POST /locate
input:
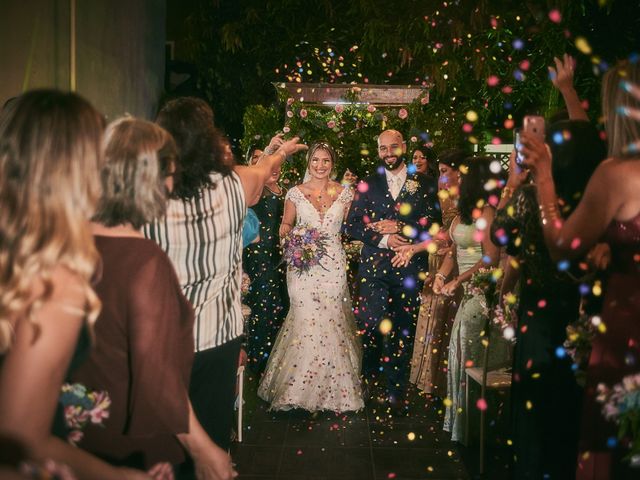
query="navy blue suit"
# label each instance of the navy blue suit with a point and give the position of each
(387, 292)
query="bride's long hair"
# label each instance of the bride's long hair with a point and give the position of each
(50, 159)
(311, 152)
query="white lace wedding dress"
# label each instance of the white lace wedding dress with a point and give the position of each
(315, 362)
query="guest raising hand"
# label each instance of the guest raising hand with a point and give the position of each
(609, 209)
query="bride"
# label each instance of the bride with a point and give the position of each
(315, 362)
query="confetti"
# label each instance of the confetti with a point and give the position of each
(555, 16)
(583, 45)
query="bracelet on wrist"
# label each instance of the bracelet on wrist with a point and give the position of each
(507, 192)
(441, 275)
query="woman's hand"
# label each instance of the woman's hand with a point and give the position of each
(450, 288)
(275, 143)
(214, 464)
(285, 228)
(562, 75)
(517, 174)
(438, 283)
(599, 257)
(537, 156)
(385, 227)
(161, 471)
(403, 255)
(291, 146)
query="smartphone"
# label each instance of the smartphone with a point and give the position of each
(518, 145)
(533, 125)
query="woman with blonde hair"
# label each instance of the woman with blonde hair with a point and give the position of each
(49, 184)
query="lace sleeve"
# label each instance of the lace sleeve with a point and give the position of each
(294, 196)
(346, 196)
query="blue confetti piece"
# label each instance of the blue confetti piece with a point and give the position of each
(612, 442)
(411, 169)
(563, 265)
(561, 352)
(409, 283)
(584, 289)
(518, 44)
(558, 138)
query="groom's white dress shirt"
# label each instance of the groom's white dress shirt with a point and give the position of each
(395, 181)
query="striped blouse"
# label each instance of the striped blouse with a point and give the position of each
(203, 238)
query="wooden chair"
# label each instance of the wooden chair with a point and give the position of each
(495, 379)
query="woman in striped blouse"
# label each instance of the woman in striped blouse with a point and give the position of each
(202, 234)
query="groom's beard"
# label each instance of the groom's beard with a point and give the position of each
(392, 165)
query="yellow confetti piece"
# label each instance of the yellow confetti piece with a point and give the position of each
(430, 468)
(602, 328)
(464, 169)
(472, 116)
(535, 375)
(432, 247)
(447, 402)
(411, 436)
(510, 298)
(409, 231)
(405, 209)
(434, 229)
(449, 453)
(529, 405)
(583, 45)
(443, 194)
(597, 289)
(497, 274)
(385, 326)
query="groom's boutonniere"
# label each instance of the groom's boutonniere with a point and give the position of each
(411, 186)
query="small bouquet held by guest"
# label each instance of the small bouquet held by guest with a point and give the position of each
(304, 247)
(504, 318)
(483, 284)
(580, 335)
(81, 407)
(622, 405)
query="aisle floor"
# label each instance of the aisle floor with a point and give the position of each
(299, 445)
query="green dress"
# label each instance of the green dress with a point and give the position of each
(466, 341)
(267, 296)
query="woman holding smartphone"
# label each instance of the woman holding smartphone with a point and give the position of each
(612, 214)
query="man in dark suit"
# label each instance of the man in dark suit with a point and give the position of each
(391, 208)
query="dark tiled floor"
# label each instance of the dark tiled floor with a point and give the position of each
(363, 445)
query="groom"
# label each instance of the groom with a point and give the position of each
(391, 208)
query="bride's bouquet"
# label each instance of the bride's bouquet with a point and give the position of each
(304, 247)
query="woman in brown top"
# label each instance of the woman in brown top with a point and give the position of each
(144, 335)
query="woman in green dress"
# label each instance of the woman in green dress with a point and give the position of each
(267, 296)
